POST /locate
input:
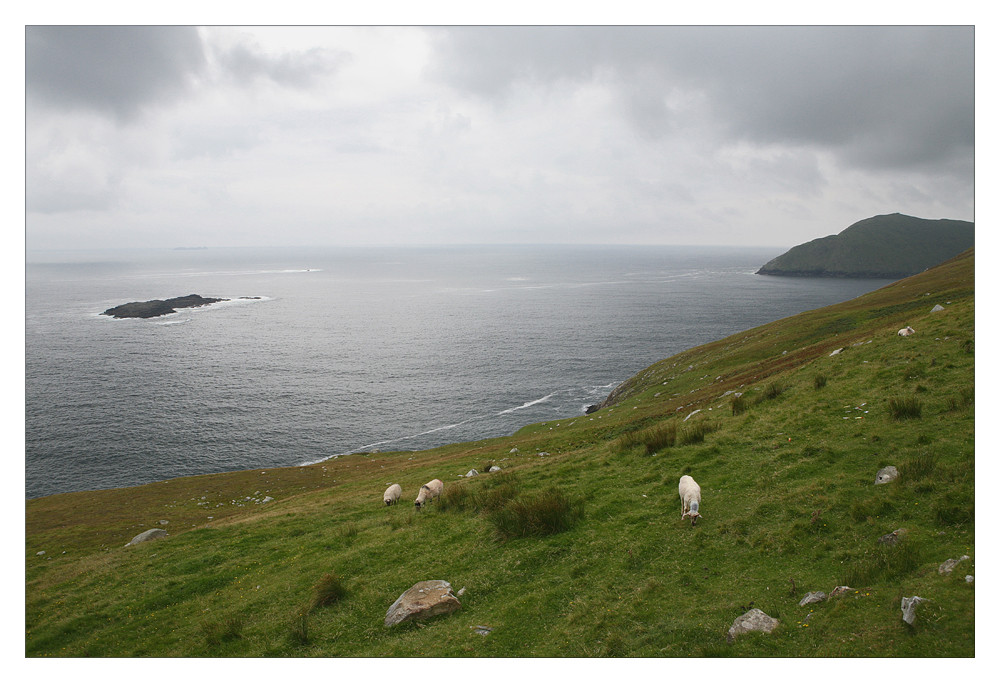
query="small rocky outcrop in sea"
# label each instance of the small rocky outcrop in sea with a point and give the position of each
(158, 307)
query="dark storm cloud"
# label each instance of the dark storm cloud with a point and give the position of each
(122, 70)
(875, 96)
(116, 70)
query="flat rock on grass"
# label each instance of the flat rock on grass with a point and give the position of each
(423, 600)
(147, 536)
(754, 620)
(810, 598)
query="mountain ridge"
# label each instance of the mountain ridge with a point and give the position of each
(885, 246)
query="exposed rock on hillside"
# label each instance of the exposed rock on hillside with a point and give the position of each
(147, 536)
(422, 601)
(754, 620)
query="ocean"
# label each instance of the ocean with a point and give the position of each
(356, 349)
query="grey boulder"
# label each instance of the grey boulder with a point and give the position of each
(423, 600)
(816, 596)
(886, 474)
(909, 608)
(754, 620)
(147, 536)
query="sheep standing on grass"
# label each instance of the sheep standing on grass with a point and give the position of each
(429, 492)
(690, 494)
(392, 494)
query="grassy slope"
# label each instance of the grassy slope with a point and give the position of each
(892, 245)
(788, 496)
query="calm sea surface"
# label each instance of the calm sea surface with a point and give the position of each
(356, 349)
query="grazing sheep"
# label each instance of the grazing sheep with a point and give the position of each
(690, 494)
(906, 331)
(429, 492)
(392, 494)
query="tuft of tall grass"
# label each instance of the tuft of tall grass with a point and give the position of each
(966, 397)
(695, 433)
(738, 404)
(917, 467)
(487, 494)
(773, 390)
(956, 509)
(548, 512)
(328, 590)
(456, 497)
(905, 408)
(819, 381)
(298, 631)
(651, 439)
(217, 632)
(883, 563)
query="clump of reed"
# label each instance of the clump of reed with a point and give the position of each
(548, 512)
(328, 590)
(905, 408)
(651, 439)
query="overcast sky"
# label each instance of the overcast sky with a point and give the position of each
(183, 136)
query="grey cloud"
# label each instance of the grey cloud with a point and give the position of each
(117, 70)
(245, 63)
(878, 97)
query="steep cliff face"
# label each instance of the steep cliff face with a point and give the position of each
(890, 246)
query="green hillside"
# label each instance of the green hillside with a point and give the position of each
(576, 547)
(890, 246)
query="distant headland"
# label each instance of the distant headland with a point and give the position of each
(890, 246)
(158, 307)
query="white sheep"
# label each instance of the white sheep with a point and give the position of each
(906, 331)
(690, 494)
(392, 494)
(429, 492)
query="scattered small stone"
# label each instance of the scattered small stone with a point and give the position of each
(836, 351)
(513, 450)
(810, 598)
(937, 307)
(40, 552)
(267, 499)
(909, 608)
(969, 578)
(754, 620)
(948, 565)
(892, 538)
(886, 474)
(471, 473)
(495, 468)
(164, 522)
(840, 590)
(693, 412)
(482, 630)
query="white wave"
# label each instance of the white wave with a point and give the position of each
(591, 390)
(530, 403)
